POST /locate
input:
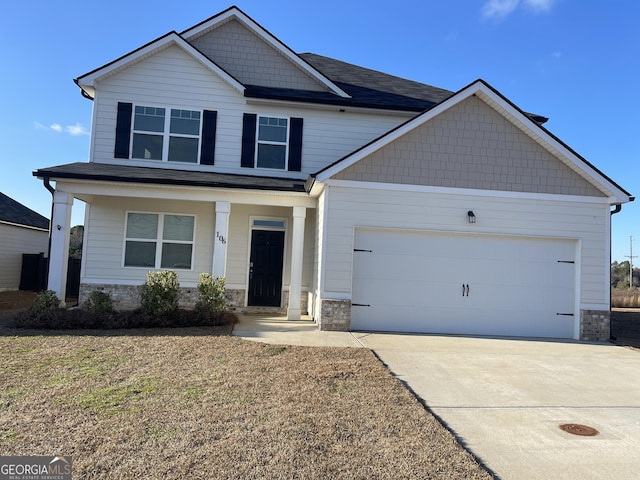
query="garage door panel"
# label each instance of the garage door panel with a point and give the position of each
(412, 281)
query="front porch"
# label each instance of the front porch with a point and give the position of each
(261, 241)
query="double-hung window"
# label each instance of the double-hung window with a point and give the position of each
(271, 142)
(272, 138)
(171, 135)
(156, 240)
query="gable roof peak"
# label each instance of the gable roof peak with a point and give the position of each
(235, 13)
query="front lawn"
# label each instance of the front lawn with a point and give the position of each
(196, 403)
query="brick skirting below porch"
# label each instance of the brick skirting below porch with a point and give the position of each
(127, 297)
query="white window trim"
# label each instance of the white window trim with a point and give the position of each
(158, 240)
(267, 142)
(166, 133)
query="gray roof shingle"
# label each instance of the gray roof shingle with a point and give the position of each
(166, 176)
(14, 212)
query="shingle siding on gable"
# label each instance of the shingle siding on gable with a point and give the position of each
(470, 146)
(250, 60)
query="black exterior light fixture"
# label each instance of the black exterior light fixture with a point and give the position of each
(472, 216)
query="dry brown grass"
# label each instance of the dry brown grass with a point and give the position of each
(189, 404)
(625, 297)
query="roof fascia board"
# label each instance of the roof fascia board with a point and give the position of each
(81, 187)
(398, 187)
(328, 106)
(22, 225)
(264, 34)
(89, 80)
(480, 88)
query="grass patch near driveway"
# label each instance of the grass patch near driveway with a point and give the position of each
(195, 403)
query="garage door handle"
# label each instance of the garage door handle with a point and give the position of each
(465, 290)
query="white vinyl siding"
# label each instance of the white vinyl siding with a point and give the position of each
(440, 212)
(173, 78)
(14, 241)
(106, 221)
(103, 261)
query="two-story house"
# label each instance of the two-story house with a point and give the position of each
(366, 201)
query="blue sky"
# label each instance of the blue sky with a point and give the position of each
(574, 61)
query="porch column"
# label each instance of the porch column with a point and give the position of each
(220, 244)
(59, 254)
(297, 249)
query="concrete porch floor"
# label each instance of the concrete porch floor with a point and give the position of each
(277, 329)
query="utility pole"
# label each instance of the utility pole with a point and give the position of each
(631, 256)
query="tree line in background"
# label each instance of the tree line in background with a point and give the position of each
(620, 275)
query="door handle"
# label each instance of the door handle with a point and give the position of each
(465, 290)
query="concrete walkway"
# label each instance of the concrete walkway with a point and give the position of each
(506, 398)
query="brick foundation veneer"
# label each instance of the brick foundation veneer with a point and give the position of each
(595, 325)
(127, 297)
(335, 315)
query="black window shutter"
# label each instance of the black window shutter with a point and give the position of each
(295, 145)
(248, 140)
(123, 130)
(208, 146)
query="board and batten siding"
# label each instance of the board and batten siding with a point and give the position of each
(14, 241)
(173, 79)
(437, 210)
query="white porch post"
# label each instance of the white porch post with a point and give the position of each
(221, 236)
(297, 249)
(59, 254)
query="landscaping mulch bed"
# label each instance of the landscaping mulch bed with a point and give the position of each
(195, 403)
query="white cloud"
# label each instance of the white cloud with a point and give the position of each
(76, 129)
(499, 8)
(556, 55)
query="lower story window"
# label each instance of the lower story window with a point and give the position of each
(159, 240)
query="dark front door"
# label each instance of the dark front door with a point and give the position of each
(265, 268)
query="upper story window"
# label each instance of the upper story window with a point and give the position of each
(165, 134)
(271, 142)
(158, 136)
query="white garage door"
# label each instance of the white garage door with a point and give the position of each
(405, 281)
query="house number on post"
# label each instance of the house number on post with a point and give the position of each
(221, 238)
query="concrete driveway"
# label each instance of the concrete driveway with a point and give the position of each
(506, 398)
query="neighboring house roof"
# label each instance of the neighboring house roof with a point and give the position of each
(16, 213)
(505, 107)
(163, 176)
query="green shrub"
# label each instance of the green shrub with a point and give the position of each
(212, 294)
(99, 303)
(45, 303)
(159, 294)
